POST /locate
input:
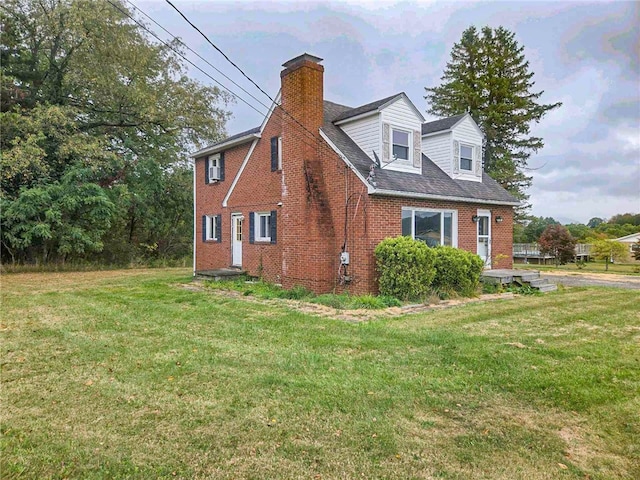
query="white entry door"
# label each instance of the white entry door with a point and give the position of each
(484, 236)
(236, 239)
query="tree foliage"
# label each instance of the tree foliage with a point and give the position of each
(557, 241)
(96, 124)
(489, 76)
(609, 251)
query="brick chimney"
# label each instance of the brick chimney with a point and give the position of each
(307, 232)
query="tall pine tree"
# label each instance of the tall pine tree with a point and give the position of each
(488, 76)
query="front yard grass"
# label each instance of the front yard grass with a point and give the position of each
(129, 375)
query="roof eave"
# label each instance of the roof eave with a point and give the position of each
(225, 145)
(428, 196)
(357, 117)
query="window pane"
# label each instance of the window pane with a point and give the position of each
(427, 226)
(400, 138)
(401, 152)
(483, 226)
(406, 222)
(465, 163)
(466, 152)
(448, 229)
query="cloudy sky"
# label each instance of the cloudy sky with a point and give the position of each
(585, 55)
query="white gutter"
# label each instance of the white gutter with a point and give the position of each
(195, 222)
(237, 177)
(428, 196)
(370, 188)
(225, 145)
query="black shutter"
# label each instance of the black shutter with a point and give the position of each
(252, 227)
(221, 161)
(273, 226)
(219, 228)
(206, 170)
(274, 154)
(204, 228)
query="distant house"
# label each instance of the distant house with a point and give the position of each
(629, 240)
(304, 198)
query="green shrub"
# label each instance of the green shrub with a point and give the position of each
(405, 268)
(456, 271)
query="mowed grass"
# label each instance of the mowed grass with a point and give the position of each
(130, 375)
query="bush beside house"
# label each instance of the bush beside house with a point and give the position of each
(408, 269)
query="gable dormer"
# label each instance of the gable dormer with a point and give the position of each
(455, 145)
(388, 131)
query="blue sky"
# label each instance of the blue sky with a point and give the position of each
(585, 55)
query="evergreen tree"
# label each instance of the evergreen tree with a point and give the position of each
(489, 77)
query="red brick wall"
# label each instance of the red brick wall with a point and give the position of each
(212, 255)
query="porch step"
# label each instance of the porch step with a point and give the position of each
(220, 274)
(518, 277)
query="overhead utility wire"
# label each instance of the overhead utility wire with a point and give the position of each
(196, 53)
(124, 12)
(200, 69)
(239, 69)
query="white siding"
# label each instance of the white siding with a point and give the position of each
(400, 114)
(439, 149)
(366, 133)
(467, 133)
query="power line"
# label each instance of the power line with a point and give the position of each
(124, 12)
(315, 137)
(196, 53)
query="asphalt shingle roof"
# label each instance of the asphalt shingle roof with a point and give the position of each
(442, 124)
(433, 180)
(369, 107)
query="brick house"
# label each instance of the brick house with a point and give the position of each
(305, 198)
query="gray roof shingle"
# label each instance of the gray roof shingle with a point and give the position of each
(433, 180)
(442, 124)
(369, 107)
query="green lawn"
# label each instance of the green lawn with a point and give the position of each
(129, 375)
(589, 267)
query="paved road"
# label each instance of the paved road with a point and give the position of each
(593, 280)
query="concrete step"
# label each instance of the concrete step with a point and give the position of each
(549, 287)
(539, 281)
(526, 277)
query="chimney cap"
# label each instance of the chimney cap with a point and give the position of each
(302, 58)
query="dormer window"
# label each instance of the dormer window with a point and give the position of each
(400, 145)
(466, 157)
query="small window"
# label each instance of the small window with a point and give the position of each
(276, 153)
(214, 168)
(466, 157)
(279, 153)
(263, 227)
(400, 142)
(211, 230)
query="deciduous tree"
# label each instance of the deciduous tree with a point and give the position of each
(609, 251)
(557, 241)
(92, 106)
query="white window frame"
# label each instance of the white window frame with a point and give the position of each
(210, 230)
(279, 153)
(473, 152)
(257, 233)
(409, 134)
(213, 164)
(454, 222)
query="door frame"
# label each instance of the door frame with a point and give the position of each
(484, 213)
(236, 244)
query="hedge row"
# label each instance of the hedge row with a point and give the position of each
(410, 270)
